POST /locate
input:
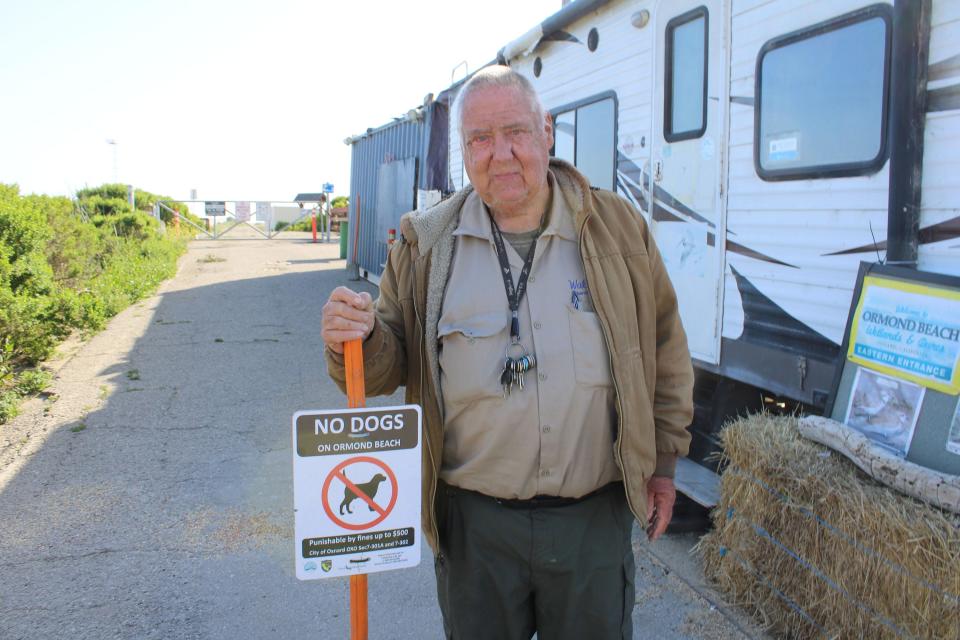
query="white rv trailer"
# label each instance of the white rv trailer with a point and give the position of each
(781, 143)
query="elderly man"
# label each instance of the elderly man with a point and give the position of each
(532, 318)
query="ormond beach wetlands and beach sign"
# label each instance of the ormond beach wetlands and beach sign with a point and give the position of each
(909, 330)
(899, 380)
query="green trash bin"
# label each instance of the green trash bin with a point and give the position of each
(344, 234)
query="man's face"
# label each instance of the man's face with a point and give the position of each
(507, 149)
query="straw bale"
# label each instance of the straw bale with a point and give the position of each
(813, 547)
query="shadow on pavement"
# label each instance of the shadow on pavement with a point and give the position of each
(167, 511)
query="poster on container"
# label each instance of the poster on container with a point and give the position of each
(909, 330)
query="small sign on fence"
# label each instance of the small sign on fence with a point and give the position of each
(215, 207)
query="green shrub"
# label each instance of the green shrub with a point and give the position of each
(115, 191)
(27, 383)
(60, 272)
(100, 206)
(75, 250)
(23, 227)
(305, 225)
(135, 270)
(114, 200)
(9, 405)
(184, 212)
(33, 381)
(134, 225)
(6, 359)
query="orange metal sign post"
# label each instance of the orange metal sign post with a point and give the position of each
(356, 398)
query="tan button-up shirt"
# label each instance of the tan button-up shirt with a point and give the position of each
(555, 437)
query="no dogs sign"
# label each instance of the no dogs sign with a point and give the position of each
(356, 490)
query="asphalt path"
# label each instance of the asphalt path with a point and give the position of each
(149, 494)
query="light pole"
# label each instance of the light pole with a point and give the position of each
(113, 143)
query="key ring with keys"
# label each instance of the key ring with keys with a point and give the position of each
(516, 362)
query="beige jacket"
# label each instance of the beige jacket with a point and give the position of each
(633, 298)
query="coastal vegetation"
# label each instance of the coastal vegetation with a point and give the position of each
(70, 265)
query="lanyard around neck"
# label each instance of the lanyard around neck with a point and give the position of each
(514, 295)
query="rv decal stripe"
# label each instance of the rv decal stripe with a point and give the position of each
(629, 169)
(742, 100)
(946, 230)
(676, 214)
(666, 208)
(946, 68)
(665, 197)
(627, 180)
(750, 253)
(880, 245)
(662, 214)
(767, 323)
(627, 191)
(635, 192)
(944, 98)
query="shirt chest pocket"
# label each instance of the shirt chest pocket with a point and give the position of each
(591, 363)
(471, 356)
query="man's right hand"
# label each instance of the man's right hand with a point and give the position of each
(347, 315)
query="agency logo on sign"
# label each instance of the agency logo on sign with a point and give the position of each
(326, 565)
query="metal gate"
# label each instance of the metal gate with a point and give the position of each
(223, 216)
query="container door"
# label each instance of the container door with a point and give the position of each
(685, 166)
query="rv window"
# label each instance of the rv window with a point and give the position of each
(685, 94)
(595, 144)
(564, 134)
(585, 135)
(821, 99)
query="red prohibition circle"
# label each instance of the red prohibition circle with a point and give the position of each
(340, 467)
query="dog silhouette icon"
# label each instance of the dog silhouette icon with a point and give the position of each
(368, 488)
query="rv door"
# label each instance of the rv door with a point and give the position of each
(686, 162)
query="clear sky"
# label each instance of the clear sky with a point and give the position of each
(236, 99)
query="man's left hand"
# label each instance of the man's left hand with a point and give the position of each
(661, 494)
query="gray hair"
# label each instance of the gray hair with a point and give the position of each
(498, 76)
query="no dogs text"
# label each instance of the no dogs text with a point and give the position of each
(358, 424)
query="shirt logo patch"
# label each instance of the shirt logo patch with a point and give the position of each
(580, 296)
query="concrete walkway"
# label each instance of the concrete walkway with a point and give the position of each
(151, 495)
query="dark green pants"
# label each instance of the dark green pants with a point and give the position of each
(562, 571)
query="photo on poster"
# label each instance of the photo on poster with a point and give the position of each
(953, 440)
(884, 409)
